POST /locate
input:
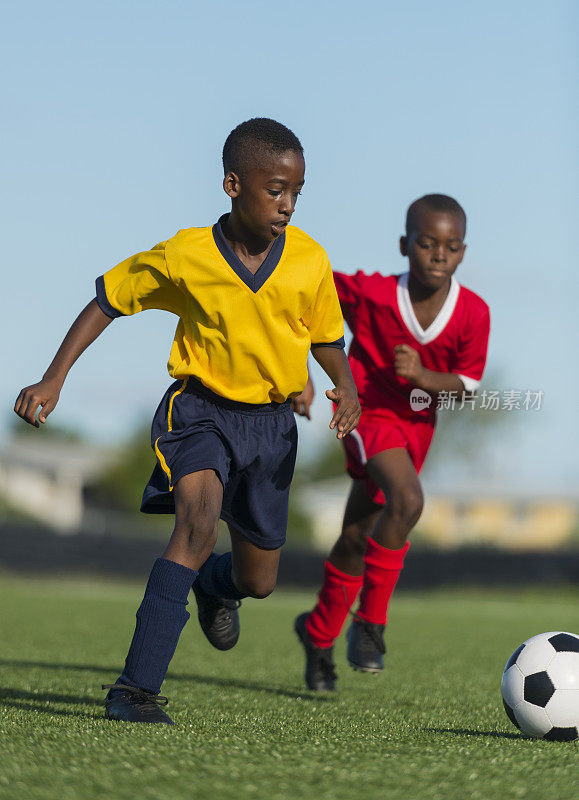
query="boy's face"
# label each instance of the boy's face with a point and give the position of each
(265, 198)
(434, 247)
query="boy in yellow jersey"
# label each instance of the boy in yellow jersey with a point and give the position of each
(253, 296)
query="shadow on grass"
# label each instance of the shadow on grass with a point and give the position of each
(208, 680)
(46, 697)
(487, 734)
(53, 712)
(36, 701)
(235, 683)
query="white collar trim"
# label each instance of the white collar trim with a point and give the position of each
(409, 317)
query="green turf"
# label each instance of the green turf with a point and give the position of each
(432, 726)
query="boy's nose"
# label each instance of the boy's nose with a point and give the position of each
(286, 206)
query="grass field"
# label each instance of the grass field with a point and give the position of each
(432, 726)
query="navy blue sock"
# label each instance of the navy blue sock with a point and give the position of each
(160, 619)
(215, 577)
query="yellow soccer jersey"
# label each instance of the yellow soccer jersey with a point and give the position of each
(246, 337)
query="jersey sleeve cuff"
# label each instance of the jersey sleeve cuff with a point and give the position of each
(339, 343)
(470, 384)
(103, 301)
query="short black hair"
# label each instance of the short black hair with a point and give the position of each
(253, 139)
(433, 202)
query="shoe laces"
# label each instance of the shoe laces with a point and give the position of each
(141, 694)
(370, 631)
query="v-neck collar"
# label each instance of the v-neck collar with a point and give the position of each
(252, 281)
(441, 320)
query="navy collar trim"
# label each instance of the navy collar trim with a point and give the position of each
(253, 282)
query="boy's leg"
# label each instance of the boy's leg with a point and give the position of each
(218, 600)
(198, 498)
(394, 472)
(224, 580)
(343, 576)
(344, 569)
(254, 568)
(162, 614)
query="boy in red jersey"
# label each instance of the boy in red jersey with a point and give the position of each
(414, 335)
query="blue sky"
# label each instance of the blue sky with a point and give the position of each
(114, 119)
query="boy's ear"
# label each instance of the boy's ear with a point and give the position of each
(232, 184)
(404, 245)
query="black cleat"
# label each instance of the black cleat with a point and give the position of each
(218, 617)
(129, 704)
(366, 646)
(320, 672)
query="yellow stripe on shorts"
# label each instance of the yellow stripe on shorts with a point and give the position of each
(173, 396)
(158, 452)
(163, 463)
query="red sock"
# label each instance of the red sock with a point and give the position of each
(383, 568)
(336, 597)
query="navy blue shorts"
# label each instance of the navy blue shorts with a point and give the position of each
(252, 448)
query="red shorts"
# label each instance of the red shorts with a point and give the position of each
(380, 430)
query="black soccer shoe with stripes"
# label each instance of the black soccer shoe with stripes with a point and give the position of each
(218, 617)
(366, 646)
(320, 672)
(129, 704)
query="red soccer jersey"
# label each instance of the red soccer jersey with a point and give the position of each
(379, 313)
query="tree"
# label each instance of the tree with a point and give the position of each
(121, 486)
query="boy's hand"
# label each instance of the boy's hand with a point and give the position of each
(347, 411)
(302, 403)
(407, 363)
(335, 364)
(44, 394)
(89, 324)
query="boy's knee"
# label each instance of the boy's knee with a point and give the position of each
(406, 504)
(202, 535)
(197, 528)
(198, 516)
(259, 587)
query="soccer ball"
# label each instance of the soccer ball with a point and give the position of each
(540, 686)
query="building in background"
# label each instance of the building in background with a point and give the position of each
(53, 482)
(46, 479)
(467, 516)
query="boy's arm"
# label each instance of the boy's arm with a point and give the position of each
(334, 362)
(407, 365)
(302, 402)
(89, 324)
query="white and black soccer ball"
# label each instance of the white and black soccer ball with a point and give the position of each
(540, 686)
